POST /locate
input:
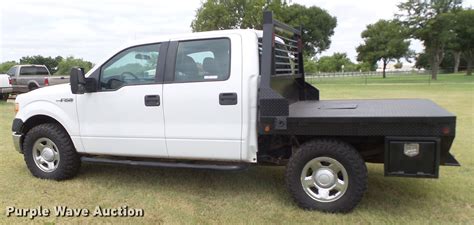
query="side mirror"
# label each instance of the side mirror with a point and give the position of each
(77, 80)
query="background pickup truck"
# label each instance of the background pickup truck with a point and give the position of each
(226, 100)
(30, 77)
(5, 86)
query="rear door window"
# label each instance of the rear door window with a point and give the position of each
(203, 60)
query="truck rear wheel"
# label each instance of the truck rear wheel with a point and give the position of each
(326, 175)
(49, 153)
(32, 87)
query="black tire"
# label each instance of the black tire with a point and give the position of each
(4, 96)
(343, 153)
(69, 163)
(32, 87)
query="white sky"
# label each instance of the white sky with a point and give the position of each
(93, 29)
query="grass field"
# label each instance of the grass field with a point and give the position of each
(258, 195)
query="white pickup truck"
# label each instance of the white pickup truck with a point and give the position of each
(225, 100)
(5, 86)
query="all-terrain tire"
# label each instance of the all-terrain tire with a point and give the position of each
(69, 161)
(344, 154)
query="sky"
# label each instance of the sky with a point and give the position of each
(93, 29)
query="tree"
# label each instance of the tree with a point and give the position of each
(66, 64)
(49, 62)
(5, 66)
(447, 65)
(386, 41)
(454, 49)
(422, 61)
(335, 63)
(464, 30)
(431, 22)
(365, 66)
(317, 24)
(310, 65)
(398, 65)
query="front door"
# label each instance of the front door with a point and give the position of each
(125, 116)
(202, 99)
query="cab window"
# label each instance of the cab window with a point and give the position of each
(33, 70)
(134, 66)
(12, 71)
(203, 60)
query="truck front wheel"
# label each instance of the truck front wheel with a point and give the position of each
(4, 96)
(326, 175)
(49, 153)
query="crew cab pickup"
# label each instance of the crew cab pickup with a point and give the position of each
(30, 77)
(225, 100)
(5, 86)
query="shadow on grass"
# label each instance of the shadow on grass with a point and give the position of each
(397, 195)
(384, 193)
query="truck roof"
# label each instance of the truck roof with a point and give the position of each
(31, 65)
(162, 38)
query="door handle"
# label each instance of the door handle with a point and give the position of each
(228, 99)
(152, 100)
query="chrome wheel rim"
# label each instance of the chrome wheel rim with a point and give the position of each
(45, 155)
(324, 179)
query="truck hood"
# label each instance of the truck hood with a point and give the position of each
(52, 94)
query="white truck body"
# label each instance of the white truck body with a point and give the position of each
(187, 125)
(5, 85)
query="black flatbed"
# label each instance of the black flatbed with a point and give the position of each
(374, 108)
(377, 117)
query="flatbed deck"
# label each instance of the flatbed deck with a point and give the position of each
(374, 108)
(397, 117)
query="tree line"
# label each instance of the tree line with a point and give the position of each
(444, 27)
(57, 65)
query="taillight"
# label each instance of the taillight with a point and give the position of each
(46, 81)
(10, 81)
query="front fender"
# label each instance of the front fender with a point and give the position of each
(65, 113)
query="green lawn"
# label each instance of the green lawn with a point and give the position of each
(257, 196)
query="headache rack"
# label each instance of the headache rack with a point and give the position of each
(282, 72)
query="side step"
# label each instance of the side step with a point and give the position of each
(224, 167)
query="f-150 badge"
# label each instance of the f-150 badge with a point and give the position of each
(65, 100)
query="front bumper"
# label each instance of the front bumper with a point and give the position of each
(17, 134)
(16, 141)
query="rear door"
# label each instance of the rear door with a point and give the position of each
(202, 99)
